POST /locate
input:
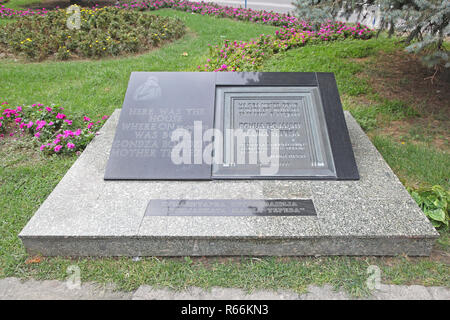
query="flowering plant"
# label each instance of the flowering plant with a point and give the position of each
(11, 13)
(52, 129)
(107, 31)
(249, 55)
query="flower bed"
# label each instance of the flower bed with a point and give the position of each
(211, 9)
(52, 129)
(11, 13)
(107, 31)
(199, 7)
(249, 55)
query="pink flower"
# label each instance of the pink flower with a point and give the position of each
(48, 109)
(60, 116)
(68, 133)
(78, 132)
(42, 147)
(37, 134)
(57, 148)
(69, 122)
(70, 145)
(90, 125)
(40, 124)
(86, 119)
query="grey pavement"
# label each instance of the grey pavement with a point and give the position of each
(15, 289)
(282, 6)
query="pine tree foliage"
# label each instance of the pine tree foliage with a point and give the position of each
(425, 23)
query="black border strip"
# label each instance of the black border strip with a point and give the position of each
(341, 147)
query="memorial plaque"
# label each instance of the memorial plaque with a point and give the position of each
(230, 207)
(231, 125)
(295, 113)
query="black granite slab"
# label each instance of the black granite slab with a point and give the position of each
(156, 104)
(230, 207)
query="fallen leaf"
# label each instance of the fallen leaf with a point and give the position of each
(35, 259)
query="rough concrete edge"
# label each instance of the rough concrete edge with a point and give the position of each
(133, 246)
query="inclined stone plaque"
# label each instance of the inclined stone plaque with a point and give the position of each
(156, 104)
(231, 125)
(230, 207)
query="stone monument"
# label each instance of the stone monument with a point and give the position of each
(230, 164)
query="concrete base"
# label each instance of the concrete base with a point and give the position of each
(87, 216)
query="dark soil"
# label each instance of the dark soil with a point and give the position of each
(402, 76)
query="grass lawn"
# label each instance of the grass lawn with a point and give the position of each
(20, 4)
(94, 88)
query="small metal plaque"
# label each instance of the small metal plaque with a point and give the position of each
(231, 207)
(288, 121)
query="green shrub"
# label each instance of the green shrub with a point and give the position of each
(434, 203)
(107, 31)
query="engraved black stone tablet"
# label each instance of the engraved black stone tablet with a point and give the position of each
(266, 126)
(156, 104)
(230, 207)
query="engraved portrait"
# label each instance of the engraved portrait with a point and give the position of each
(149, 90)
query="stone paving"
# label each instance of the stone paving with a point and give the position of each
(15, 289)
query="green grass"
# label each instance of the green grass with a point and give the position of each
(415, 164)
(246, 273)
(97, 87)
(338, 57)
(372, 116)
(20, 4)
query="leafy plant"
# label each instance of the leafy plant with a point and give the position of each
(250, 55)
(53, 131)
(434, 203)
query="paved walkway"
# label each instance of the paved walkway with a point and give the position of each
(282, 6)
(15, 289)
